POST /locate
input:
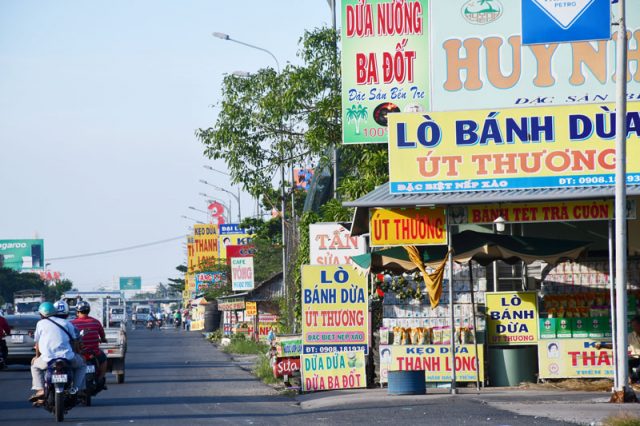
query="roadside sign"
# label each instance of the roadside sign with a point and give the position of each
(242, 273)
(546, 21)
(130, 283)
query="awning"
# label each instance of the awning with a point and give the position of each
(380, 197)
(480, 247)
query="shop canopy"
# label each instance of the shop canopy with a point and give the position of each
(480, 247)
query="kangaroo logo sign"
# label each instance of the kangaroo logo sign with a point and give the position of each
(547, 21)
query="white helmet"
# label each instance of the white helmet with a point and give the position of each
(62, 308)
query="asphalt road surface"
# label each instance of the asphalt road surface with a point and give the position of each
(178, 378)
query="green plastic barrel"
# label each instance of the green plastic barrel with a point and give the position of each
(510, 366)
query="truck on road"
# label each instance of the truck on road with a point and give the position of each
(26, 302)
(102, 304)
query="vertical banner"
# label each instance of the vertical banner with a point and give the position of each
(335, 306)
(206, 243)
(385, 65)
(337, 370)
(512, 318)
(332, 244)
(242, 273)
(251, 309)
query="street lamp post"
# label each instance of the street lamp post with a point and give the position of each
(190, 218)
(237, 197)
(227, 174)
(283, 194)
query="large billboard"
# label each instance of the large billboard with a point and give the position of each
(22, 255)
(332, 244)
(385, 65)
(517, 148)
(478, 60)
(335, 315)
(130, 283)
(205, 243)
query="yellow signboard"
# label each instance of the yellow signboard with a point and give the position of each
(250, 309)
(419, 226)
(512, 318)
(191, 257)
(573, 358)
(335, 315)
(542, 147)
(335, 370)
(206, 243)
(434, 359)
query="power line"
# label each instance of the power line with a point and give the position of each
(99, 253)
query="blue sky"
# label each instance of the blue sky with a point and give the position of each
(99, 101)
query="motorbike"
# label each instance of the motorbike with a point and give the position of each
(59, 395)
(176, 323)
(94, 385)
(150, 324)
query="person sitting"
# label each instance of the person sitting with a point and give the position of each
(91, 338)
(633, 349)
(54, 338)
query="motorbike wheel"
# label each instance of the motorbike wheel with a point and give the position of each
(87, 400)
(59, 406)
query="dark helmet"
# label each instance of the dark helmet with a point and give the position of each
(83, 307)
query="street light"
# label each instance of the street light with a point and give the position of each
(237, 197)
(220, 189)
(226, 37)
(190, 218)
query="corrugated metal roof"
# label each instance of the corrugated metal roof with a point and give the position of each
(380, 197)
(269, 290)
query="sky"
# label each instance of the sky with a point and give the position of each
(99, 102)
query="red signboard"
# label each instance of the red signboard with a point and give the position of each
(286, 366)
(245, 250)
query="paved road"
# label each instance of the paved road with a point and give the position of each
(177, 378)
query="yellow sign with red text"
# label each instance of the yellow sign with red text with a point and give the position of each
(206, 243)
(434, 360)
(574, 358)
(335, 370)
(250, 309)
(536, 212)
(415, 226)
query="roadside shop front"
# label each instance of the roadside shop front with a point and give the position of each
(545, 308)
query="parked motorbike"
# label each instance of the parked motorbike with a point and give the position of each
(59, 395)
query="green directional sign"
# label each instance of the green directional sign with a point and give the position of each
(130, 283)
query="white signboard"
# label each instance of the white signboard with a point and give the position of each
(478, 60)
(332, 244)
(242, 273)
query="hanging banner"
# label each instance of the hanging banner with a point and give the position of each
(242, 273)
(207, 280)
(559, 147)
(337, 370)
(205, 241)
(332, 244)
(419, 226)
(434, 359)
(335, 314)
(478, 60)
(385, 65)
(574, 358)
(572, 211)
(512, 318)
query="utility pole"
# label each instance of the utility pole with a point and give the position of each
(622, 393)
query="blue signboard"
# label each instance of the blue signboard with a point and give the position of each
(546, 21)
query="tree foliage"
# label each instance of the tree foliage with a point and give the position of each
(12, 281)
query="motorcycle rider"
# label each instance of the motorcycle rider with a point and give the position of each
(93, 335)
(53, 337)
(5, 330)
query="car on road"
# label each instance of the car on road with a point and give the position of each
(20, 343)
